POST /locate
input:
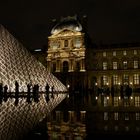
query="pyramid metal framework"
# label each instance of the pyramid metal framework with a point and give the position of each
(16, 63)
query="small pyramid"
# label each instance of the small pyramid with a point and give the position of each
(17, 64)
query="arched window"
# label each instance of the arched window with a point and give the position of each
(66, 43)
(65, 66)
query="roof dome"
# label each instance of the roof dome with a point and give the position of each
(70, 23)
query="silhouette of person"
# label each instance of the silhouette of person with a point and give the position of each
(28, 93)
(1, 92)
(47, 98)
(1, 88)
(16, 89)
(5, 88)
(16, 101)
(35, 92)
(52, 92)
(47, 89)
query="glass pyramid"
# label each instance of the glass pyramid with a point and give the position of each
(17, 64)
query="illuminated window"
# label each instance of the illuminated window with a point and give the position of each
(136, 64)
(106, 101)
(136, 79)
(105, 81)
(135, 52)
(83, 116)
(104, 65)
(116, 116)
(54, 44)
(114, 53)
(66, 43)
(116, 101)
(125, 64)
(125, 79)
(126, 116)
(137, 116)
(137, 101)
(104, 54)
(71, 116)
(126, 102)
(115, 66)
(77, 42)
(124, 53)
(115, 79)
(58, 116)
(105, 116)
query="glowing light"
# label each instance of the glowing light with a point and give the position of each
(68, 96)
(83, 111)
(119, 97)
(96, 98)
(119, 83)
(107, 98)
(131, 97)
(37, 50)
(96, 84)
(68, 86)
(107, 84)
(131, 83)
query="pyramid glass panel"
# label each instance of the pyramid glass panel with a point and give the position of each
(17, 64)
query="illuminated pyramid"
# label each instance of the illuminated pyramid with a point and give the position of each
(17, 64)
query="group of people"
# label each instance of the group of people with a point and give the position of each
(32, 92)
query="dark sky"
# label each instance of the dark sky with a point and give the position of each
(109, 21)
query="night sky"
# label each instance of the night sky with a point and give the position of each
(109, 21)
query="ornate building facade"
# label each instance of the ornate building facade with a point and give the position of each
(66, 51)
(116, 65)
(77, 63)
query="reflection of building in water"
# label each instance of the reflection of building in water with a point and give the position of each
(113, 115)
(68, 125)
(104, 115)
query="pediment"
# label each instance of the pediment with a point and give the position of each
(66, 32)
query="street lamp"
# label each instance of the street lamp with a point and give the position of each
(131, 83)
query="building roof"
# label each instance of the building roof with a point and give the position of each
(70, 23)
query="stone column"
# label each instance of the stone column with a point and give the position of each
(58, 66)
(82, 65)
(71, 65)
(49, 66)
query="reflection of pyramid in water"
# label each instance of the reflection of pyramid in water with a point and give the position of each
(16, 63)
